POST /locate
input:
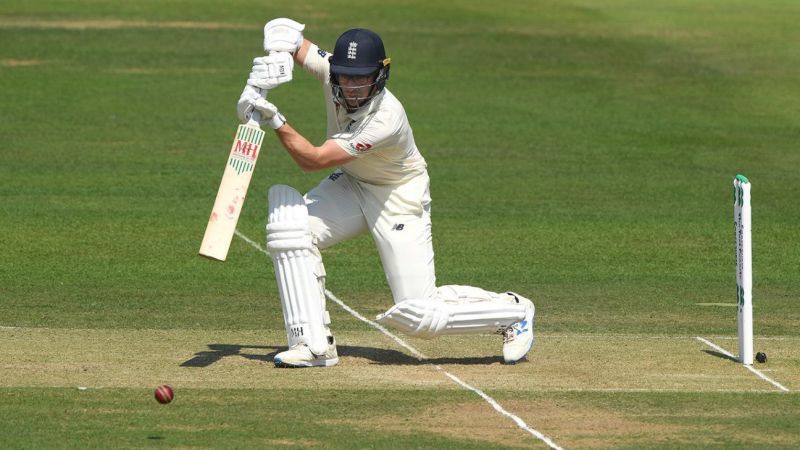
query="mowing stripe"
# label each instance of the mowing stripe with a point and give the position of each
(748, 367)
(419, 355)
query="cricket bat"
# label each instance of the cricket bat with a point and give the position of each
(232, 189)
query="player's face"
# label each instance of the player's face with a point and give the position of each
(356, 87)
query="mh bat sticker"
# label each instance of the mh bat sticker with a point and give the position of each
(232, 191)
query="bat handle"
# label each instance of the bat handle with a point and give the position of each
(255, 117)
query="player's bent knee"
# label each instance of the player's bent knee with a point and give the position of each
(416, 318)
(460, 315)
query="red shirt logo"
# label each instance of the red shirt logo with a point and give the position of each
(361, 147)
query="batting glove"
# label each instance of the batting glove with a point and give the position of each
(271, 71)
(251, 100)
(283, 35)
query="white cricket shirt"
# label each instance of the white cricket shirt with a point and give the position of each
(378, 135)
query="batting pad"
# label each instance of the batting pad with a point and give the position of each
(455, 310)
(290, 245)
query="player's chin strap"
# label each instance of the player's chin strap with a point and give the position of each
(294, 259)
(455, 310)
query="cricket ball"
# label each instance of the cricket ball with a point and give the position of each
(761, 357)
(164, 394)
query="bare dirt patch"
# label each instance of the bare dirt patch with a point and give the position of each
(114, 24)
(164, 71)
(37, 357)
(580, 426)
(20, 62)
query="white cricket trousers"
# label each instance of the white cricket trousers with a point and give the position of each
(397, 217)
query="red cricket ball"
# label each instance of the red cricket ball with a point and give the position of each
(164, 394)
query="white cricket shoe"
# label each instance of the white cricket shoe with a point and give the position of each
(300, 355)
(518, 337)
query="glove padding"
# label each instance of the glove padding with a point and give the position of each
(252, 100)
(271, 71)
(283, 35)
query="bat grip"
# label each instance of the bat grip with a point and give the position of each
(255, 116)
(255, 119)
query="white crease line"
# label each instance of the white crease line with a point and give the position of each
(375, 325)
(251, 242)
(762, 338)
(748, 367)
(520, 423)
(767, 379)
(659, 390)
(642, 337)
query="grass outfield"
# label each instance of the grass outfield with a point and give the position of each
(581, 153)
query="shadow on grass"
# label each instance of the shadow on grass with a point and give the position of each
(216, 352)
(394, 357)
(721, 355)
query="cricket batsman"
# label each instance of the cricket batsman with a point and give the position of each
(378, 185)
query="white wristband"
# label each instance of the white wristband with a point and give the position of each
(277, 121)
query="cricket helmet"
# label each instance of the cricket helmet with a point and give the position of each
(359, 52)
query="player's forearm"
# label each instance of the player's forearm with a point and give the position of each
(304, 153)
(300, 55)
